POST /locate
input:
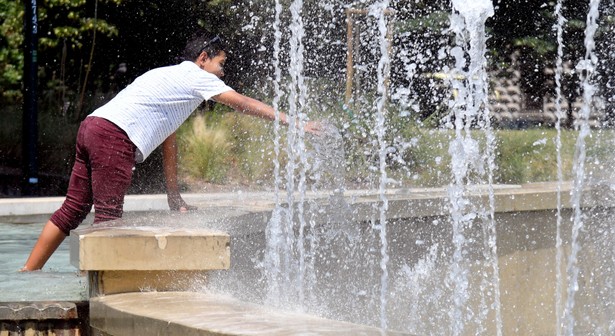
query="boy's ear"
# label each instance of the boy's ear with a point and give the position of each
(203, 56)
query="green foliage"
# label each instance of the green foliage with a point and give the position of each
(522, 156)
(422, 157)
(540, 45)
(60, 23)
(428, 158)
(252, 147)
(204, 150)
(530, 155)
(220, 146)
(436, 21)
(233, 147)
(11, 56)
(70, 21)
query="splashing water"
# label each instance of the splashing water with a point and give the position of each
(468, 108)
(328, 156)
(296, 144)
(587, 68)
(559, 256)
(296, 247)
(288, 276)
(274, 229)
(384, 65)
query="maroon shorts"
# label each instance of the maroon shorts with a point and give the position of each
(101, 175)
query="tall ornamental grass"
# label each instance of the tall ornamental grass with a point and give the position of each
(222, 146)
(205, 150)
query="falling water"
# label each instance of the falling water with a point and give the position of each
(274, 229)
(291, 247)
(286, 253)
(384, 65)
(296, 144)
(586, 67)
(468, 24)
(560, 176)
(490, 249)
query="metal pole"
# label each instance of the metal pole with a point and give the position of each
(30, 119)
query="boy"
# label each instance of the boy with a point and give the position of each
(129, 127)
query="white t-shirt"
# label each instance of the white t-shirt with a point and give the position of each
(153, 106)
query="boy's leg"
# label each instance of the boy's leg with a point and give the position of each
(112, 159)
(109, 186)
(101, 175)
(78, 202)
(76, 206)
(50, 238)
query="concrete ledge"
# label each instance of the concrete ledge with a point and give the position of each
(109, 248)
(424, 201)
(156, 247)
(38, 209)
(189, 313)
(114, 282)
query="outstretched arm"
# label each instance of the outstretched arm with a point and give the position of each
(169, 162)
(257, 108)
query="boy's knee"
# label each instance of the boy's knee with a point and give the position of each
(63, 223)
(107, 214)
(68, 218)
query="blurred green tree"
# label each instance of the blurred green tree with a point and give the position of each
(65, 27)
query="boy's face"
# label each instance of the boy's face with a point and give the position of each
(213, 65)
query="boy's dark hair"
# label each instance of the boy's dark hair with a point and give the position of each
(201, 42)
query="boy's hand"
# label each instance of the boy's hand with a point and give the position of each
(314, 127)
(177, 203)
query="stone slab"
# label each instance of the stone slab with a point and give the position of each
(114, 282)
(192, 313)
(151, 249)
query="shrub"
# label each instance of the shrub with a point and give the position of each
(204, 150)
(222, 146)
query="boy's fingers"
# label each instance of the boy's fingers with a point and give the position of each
(186, 208)
(314, 127)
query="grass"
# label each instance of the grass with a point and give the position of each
(205, 150)
(224, 147)
(521, 156)
(531, 156)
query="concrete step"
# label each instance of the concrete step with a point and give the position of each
(193, 313)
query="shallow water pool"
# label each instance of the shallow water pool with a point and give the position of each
(57, 281)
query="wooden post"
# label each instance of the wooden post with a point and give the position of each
(350, 55)
(350, 12)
